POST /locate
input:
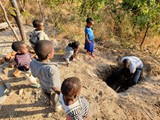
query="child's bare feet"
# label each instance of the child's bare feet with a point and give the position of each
(93, 55)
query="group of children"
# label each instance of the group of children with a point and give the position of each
(67, 94)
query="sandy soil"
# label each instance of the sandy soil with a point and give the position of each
(141, 102)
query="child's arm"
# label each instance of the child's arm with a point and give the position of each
(57, 90)
(54, 73)
(86, 38)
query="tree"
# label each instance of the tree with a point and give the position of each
(145, 14)
(18, 19)
(5, 15)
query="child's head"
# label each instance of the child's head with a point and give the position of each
(89, 22)
(38, 24)
(126, 63)
(74, 44)
(19, 47)
(71, 88)
(44, 49)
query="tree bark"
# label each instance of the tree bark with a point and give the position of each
(5, 15)
(145, 34)
(19, 20)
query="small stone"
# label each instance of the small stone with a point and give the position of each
(17, 73)
(49, 115)
(100, 93)
(20, 92)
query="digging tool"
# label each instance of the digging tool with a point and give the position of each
(8, 89)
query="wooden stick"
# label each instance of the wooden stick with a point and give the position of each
(5, 15)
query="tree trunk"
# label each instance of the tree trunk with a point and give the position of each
(5, 15)
(19, 20)
(144, 36)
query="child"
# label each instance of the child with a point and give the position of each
(38, 33)
(47, 73)
(71, 51)
(89, 36)
(23, 59)
(76, 107)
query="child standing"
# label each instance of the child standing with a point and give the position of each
(38, 33)
(71, 51)
(89, 36)
(76, 107)
(47, 73)
(23, 59)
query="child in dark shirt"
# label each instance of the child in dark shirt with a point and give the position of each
(23, 59)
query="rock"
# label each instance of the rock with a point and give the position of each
(2, 60)
(12, 64)
(49, 115)
(17, 73)
(8, 57)
(20, 91)
(100, 93)
(13, 53)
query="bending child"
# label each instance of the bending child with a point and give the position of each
(71, 51)
(38, 33)
(47, 72)
(23, 59)
(89, 36)
(76, 107)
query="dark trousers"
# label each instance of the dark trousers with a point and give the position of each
(123, 76)
(136, 76)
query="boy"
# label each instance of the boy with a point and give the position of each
(38, 33)
(47, 73)
(76, 107)
(23, 59)
(89, 36)
(71, 51)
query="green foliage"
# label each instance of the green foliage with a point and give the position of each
(12, 11)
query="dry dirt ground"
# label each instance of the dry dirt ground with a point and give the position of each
(141, 102)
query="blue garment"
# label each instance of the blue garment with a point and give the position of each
(87, 46)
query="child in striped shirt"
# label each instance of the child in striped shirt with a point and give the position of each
(76, 107)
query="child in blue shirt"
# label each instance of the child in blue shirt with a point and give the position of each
(89, 36)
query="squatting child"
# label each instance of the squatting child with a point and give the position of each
(47, 72)
(71, 51)
(23, 59)
(76, 107)
(89, 36)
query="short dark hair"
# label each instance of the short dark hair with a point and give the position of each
(126, 62)
(70, 87)
(16, 45)
(74, 44)
(36, 23)
(42, 48)
(89, 20)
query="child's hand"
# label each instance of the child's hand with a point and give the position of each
(89, 42)
(26, 66)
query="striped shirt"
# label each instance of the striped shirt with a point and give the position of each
(78, 110)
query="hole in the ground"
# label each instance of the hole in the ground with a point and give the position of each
(110, 75)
